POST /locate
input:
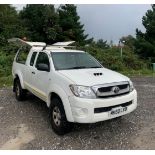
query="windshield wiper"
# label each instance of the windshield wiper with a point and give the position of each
(78, 67)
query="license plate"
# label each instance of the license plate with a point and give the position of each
(117, 111)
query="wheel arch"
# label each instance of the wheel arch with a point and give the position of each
(54, 95)
(64, 99)
(16, 77)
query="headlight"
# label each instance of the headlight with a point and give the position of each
(131, 86)
(82, 91)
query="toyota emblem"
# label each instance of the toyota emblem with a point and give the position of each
(115, 89)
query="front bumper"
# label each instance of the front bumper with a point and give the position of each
(83, 109)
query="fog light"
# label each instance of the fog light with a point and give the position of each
(79, 111)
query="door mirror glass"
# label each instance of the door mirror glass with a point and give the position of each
(43, 67)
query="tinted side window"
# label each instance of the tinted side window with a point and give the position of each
(33, 58)
(42, 59)
(22, 55)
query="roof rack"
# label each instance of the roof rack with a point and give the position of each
(66, 43)
(59, 45)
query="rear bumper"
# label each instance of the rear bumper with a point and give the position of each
(83, 109)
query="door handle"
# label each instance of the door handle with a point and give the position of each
(33, 72)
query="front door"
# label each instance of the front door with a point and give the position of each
(40, 78)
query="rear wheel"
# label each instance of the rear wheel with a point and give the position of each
(19, 92)
(58, 120)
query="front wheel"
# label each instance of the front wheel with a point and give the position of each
(58, 119)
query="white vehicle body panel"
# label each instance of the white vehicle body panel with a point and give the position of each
(87, 77)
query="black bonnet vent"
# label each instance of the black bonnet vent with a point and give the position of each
(98, 74)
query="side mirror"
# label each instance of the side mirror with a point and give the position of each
(43, 67)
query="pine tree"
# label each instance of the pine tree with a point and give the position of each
(102, 44)
(41, 22)
(10, 25)
(145, 42)
(149, 23)
(71, 27)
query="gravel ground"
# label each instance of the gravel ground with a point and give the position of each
(25, 125)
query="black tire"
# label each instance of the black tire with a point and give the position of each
(118, 118)
(60, 126)
(19, 92)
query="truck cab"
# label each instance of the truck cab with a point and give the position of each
(73, 84)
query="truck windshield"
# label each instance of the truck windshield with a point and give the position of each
(73, 60)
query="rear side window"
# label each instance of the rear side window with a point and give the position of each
(22, 55)
(43, 59)
(33, 58)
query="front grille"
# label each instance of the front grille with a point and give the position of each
(107, 109)
(106, 89)
(112, 89)
(113, 95)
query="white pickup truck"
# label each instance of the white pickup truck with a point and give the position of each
(74, 85)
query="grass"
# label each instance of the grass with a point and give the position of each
(138, 73)
(6, 81)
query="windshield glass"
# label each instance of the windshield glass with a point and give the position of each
(73, 60)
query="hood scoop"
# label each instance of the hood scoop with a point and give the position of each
(98, 74)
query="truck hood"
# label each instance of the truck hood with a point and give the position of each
(90, 77)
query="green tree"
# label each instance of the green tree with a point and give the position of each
(145, 42)
(71, 27)
(102, 44)
(10, 25)
(128, 41)
(41, 22)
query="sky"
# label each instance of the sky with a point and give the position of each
(110, 21)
